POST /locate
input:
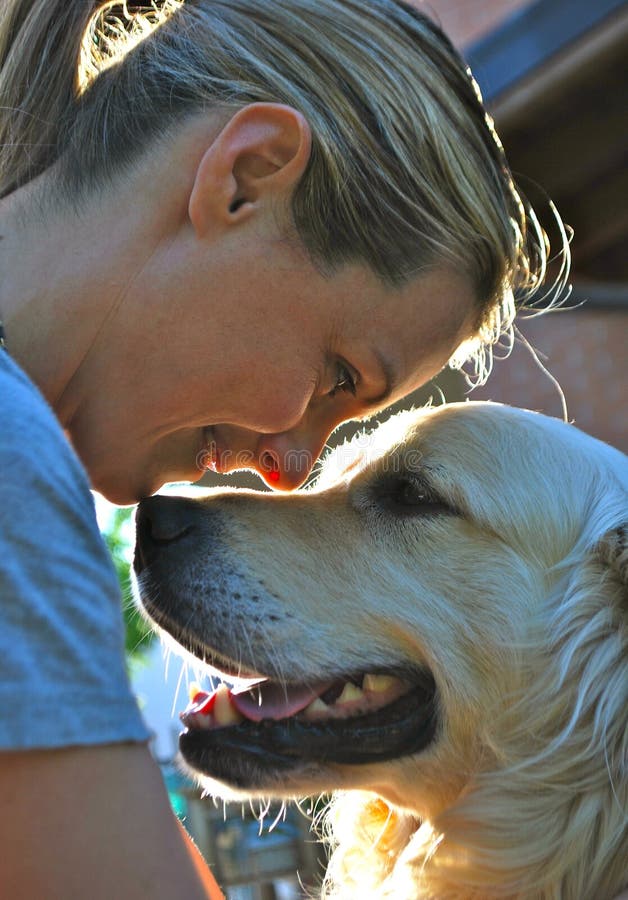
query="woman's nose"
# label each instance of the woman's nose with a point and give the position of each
(285, 460)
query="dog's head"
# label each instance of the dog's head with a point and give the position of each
(446, 602)
(433, 562)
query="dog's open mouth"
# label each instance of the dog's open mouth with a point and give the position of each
(362, 718)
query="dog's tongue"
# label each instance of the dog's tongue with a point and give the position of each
(274, 701)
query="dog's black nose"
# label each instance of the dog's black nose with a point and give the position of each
(159, 522)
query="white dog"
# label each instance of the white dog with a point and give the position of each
(442, 623)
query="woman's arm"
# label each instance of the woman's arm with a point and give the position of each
(80, 821)
(93, 822)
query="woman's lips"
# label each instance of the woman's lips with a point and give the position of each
(215, 457)
(208, 457)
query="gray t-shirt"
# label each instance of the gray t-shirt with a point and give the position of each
(62, 672)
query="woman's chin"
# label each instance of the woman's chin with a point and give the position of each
(121, 495)
(126, 485)
(123, 489)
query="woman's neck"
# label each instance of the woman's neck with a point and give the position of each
(64, 271)
(45, 323)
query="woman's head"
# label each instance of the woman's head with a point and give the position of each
(405, 168)
(404, 176)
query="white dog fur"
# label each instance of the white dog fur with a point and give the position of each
(513, 595)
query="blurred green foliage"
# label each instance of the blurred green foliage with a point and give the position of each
(118, 537)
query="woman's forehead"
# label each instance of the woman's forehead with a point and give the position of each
(432, 314)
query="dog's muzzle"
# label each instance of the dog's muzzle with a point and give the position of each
(283, 726)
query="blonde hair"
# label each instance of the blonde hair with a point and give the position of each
(406, 170)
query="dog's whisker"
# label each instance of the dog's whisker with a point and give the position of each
(281, 816)
(166, 655)
(175, 700)
(264, 812)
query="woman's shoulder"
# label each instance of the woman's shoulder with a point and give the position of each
(45, 497)
(61, 629)
(22, 405)
(32, 441)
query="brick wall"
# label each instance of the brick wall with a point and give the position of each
(586, 352)
(585, 349)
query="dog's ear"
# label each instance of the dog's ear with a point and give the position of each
(612, 549)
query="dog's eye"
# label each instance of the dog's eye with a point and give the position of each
(409, 496)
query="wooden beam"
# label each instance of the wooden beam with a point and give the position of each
(598, 294)
(563, 72)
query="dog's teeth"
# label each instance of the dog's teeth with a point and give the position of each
(378, 684)
(349, 693)
(224, 712)
(316, 706)
(193, 689)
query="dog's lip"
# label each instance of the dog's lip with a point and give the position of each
(221, 666)
(402, 728)
(266, 698)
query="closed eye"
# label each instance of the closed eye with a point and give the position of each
(409, 495)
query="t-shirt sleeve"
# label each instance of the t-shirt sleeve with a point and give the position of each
(63, 679)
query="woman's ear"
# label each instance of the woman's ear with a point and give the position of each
(258, 157)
